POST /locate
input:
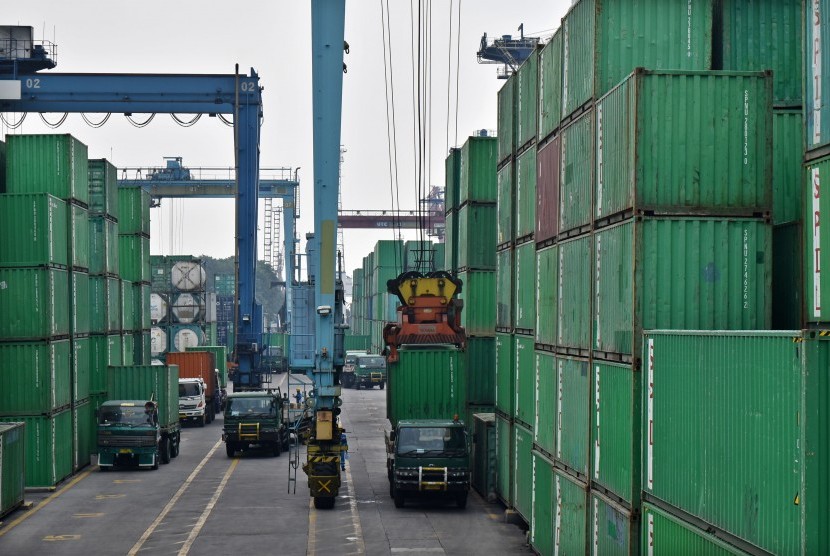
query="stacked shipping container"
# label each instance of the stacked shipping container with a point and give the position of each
(178, 287)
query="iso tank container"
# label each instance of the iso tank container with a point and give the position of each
(656, 138)
(35, 377)
(523, 471)
(817, 72)
(452, 177)
(478, 291)
(183, 337)
(48, 445)
(547, 269)
(550, 86)
(480, 356)
(81, 366)
(477, 179)
(603, 40)
(787, 169)
(572, 403)
(103, 188)
(79, 252)
(525, 387)
(159, 382)
(664, 533)
(527, 100)
(615, 529)
(187, 276)
(573, 327)
(679, 273)
(525, 194)
(158, 308)
(134, 257)
(477, 225)
(505, 205)
(427, 382)
(541, 521)
(545, 417)
(765, 35)
(548, 175)
(188, 308)
(576, 180)
(505, 470)
(762, 478)
(505, 374)
(134, 210)
(12, 466)
(507, 119)
(525, 284)
(34, 303)
(615, 430)
(79, 303)
(570, 514)
(817, 241)
(504, 290)
(55, 164)
(45, 219)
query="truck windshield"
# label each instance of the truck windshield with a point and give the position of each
(188, 389)
(240, 407)
(372, 363)
(124, 415)
(432, 440)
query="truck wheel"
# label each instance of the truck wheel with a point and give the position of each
(357, 385)
(155, 461)
(398, 497)
(381, 385)
(164, 451)
(275, 450)
(461, 500)
(103, 468)
(321, 503)
(230, 449)
(203, 420)
(174, 447)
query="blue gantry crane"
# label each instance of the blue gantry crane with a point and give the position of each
(26, 88)
(507, 50)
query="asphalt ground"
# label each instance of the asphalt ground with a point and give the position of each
(204, 502)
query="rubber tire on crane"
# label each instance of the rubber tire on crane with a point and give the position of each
(322, 503)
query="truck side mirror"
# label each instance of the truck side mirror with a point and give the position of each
(392, 436)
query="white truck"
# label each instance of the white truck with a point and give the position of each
(192, 402)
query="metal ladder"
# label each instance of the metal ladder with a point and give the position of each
(295, 419)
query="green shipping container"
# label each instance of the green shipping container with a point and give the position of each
(45, 218)
(576, 181)
(12, 466)
(141, 296)
(48, 442)
(504, 289)
(128, 350)
(54, 164)
(664, 533)
(161, 382)
(103, 246)
(130, 320)
(526, 285)
(527, 100)
(478, 317)
(545, 425)
(787, 171)
(134, 257)
(505, 204)
(787, 277)
(83, 434)
(615, 429)
(353, 342)
(480, 364)
(526, 194)
(550, 86)
(79, 303)
(79, 255)
(541, 522)
(427, 382)
(763, 478)
(575, 278)
(115, 353)
(477, 180)
(452, 177)
(650, 271)
(225, 284)
(603, 40)
(504, 460)
(765, 35)
(547, 307)
(103, 188)
(100, 359)
(650, 162)
(573, 391)
(485, 459)
(477, 236)
(614, 531)
(114, 305)
(505, 374)
(570, 514)
(507, 118)
(816, 241)
(81, 367)
(523, 474)
(134, 210)
(220, 354)
(388, 254)
(525, 405)
(34, 303)
(98, 304)
(34, 377)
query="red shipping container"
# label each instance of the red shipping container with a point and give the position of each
(196, 364)
(548, 160)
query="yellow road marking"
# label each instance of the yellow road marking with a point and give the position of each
(358, 530)
(311, 547)
(125, 481)
(43, 504)
(109, 496)
(137, 546)
(209, 508)
(53, 538)
(98, 514)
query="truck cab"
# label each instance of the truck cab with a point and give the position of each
(428, 457)
(192, 402)
(255, 420)
(364, 370)
(129, 433)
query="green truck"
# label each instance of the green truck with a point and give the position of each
(139, 424)
(364, 370)
(255, 420)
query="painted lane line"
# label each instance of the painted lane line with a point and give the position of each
(358, 530)
(137, 546)
(43, 504)
(311, 547)
(208, 509)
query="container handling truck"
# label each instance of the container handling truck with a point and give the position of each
(255, 420)
(364, 370)
(199, 365)
(139, 423)
(428, 450)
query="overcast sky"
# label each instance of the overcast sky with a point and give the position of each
(190, 36)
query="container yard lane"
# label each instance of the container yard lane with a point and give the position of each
(205, 502)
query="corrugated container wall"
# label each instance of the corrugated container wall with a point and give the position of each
(541, 523)
(604, 40)
(526, 194)
(817, 241)
(134, 259)
(452, 178)
(615, 530)
(547, 290)
(506, 204)
(523, 471)
(480, 366)
(525, 284)
(134, 210)
(504, 459)
(570, 514)
(546, 423)
(573, 390)
(478, 291)
(667, 534)
(525, 387)
(45, 219)
(54, 164)
(548, 175)
(576, 181)
(505, 374)
(477, 180)
(12, 466)
(656, 133)
(35, 377)
(79, 252)
(103, 188)
(550, 86)
(787, 277)
(48, 442)
(79, 303)
(787, 170)
(817, 73)
(477, 236)
(527, 101)
(141, 382)
(34, 303)
(574, 284)
(504, 290)
(507, 118)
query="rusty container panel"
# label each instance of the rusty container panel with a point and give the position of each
(548, 172)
